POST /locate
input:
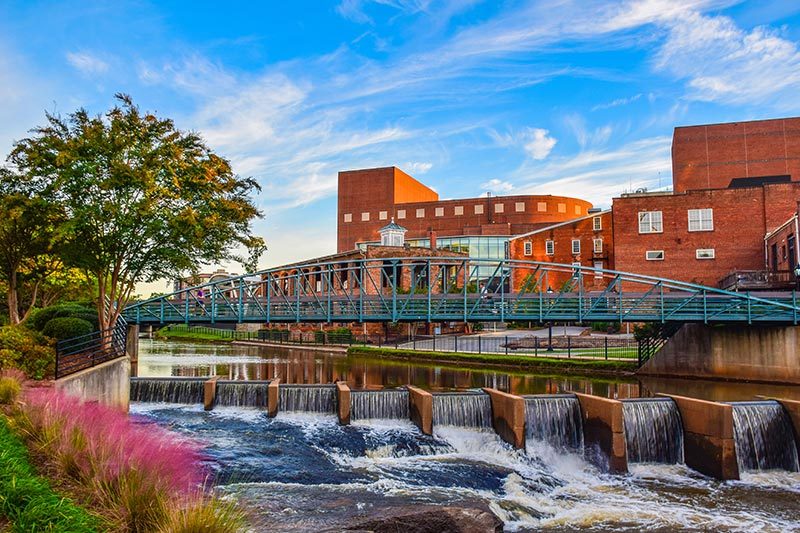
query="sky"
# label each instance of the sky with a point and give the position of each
(577, 98)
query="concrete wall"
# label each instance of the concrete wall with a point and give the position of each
(210, 393)
(708, 442)
(107, 383)
(508, 416)
(273, 398)
(421, 407)
(603, 426)
(753, 353)
(132, 343)
(343, 402)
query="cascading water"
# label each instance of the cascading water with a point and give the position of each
(462, 409)
(653, 431)
(169, 390)
(380, 404)
(555, 419)
(242, 393)
(307, 398)
(764, 437)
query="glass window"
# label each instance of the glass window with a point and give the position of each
(598, 246)
(654, 255)
(701, 219)
(498, 208)
(421, 213)
(479, 209)
(577, 210)
(401, 213)
(541, 206)
(439, 212)
(576, 246)
(348, 217)
(597, 223)
(528, 248)
(459, 210)
(364, 217)
(562, 208)
(705, 253)
(549, 247)
(520, 207)
(383, 215)
(650, 222)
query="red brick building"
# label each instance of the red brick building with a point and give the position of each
(369, 198)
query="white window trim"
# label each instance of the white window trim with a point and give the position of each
(499, 208)
(649, 258)
(458, 210)
(479, 209)
(520, 207)
(401, 214)
(365, 217)
(649, 228)
(549, 247)
(597, 246)
(383, 215)
(421, 212)
(541, 207)
(348, 217)
(527, 248)
(597, 223)
(700, 219)
(713, 254)
(576, 249)
(439, 212)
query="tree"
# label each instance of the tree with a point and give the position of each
(143, 200)
(28, 228)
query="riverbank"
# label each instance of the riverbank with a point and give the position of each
(501, 361)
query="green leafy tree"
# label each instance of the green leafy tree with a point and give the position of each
(143, 200)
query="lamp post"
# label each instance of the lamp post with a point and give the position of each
(549, 324)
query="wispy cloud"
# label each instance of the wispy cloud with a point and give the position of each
(618, 102)
(536, 142)
(495, 185)
(87, 63)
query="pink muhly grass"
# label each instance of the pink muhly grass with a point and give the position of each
(13, 373)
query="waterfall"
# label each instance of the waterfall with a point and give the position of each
(307, 398)
(170, 390)
(764, 437)
(462, 409)
(379, 404)
(653, 431)
(242, 393)
(555, 419)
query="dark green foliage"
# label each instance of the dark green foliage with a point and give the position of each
(39, 319)
(27, 499)
(67, 327)
(606, 327)
(26, 350)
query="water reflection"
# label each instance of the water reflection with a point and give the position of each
(298, 366)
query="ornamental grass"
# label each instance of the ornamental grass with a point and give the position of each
(140, 477)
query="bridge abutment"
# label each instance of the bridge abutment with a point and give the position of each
(740, 352)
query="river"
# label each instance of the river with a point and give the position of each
(304, 472)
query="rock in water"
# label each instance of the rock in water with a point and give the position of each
(434, 520)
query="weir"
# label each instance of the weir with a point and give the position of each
(169, 390)
(764, 437)
(380, 404)
(555, 419)
(462, 409)
(307, 398)
(653, 431)
(242, 393)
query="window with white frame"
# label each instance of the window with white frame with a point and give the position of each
(701, 219)
(577, 210)
(598, 265)
(421, 213)
(401, 213)
(598, 246)
(459, 210)
(479, 209)
(541, 207)
(654, 255)
(576, 246)
(439, 212)
(519, 207)
(562, 208)
(597, 223)
(549, 247)
(348, 217)
(705, 253)
(364, 217)
(528, 248)
(499, 208)
(651, 222)
(383, 215)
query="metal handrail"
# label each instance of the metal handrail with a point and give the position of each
(91, 349)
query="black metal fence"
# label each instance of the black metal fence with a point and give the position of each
(92, 349)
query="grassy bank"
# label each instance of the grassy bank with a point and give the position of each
(585, 366)
(202, 334)
(26, 500)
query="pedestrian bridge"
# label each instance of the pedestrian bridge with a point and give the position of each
(457, 289)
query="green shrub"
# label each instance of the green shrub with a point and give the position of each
(40, 319)
(26, 350)
(67, 327)
(9, 390)
(8, 358)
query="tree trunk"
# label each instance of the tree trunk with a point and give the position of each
(13, 299)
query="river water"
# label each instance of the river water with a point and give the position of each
(304, 472)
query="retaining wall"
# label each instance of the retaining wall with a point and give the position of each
(603, 427)
(273, 397)
(343, 402)
(421, 408)
(210, 393)
(108, 383)
(508, 416)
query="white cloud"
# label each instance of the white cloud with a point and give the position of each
(87, 63)
(416, 167)
(354, 9)
(586, 136)
(495, 185)
(618, 102)
(536, 142)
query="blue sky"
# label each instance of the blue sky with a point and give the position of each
(576, 98)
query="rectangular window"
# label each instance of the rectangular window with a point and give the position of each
(597, 223)
(498, 208)
(401, 213)
(562, 208)
(459, 210)
(654, 255)
(479, 209)
(383, 215)
(520, 207)
(528, 248)
(439, 212)
(598, 265)
(701, 220)
(577, 210)
(651, 222)
(598, 246)
(549, 247)
(541, 207)
(364, 217)
(705, 253)
(576, 246)
(421, 213)
(348, 217)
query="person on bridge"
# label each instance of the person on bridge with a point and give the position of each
(200, 303)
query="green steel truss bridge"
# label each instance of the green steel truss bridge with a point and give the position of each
(457, 289)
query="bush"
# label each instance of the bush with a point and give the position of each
(26, 350)
(67, 327)
(41, 317)
(9, 390)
